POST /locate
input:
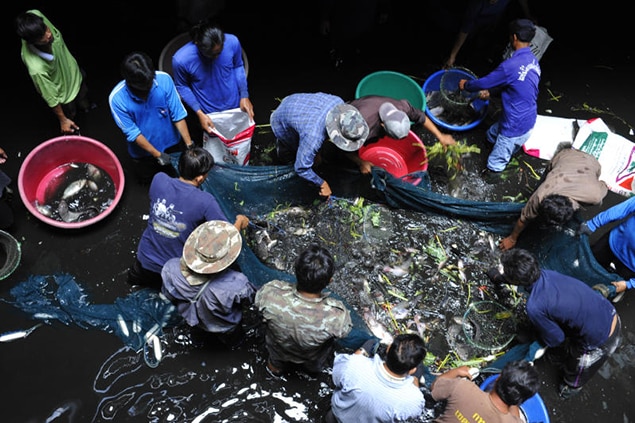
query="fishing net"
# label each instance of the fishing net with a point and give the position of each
(449, 106)
(258, 191)
(134, 318)
(489, 325)
(10, 254)
(453, 97)
(495, 217)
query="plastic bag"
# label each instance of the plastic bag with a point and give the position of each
(538, 45)
(232, 143)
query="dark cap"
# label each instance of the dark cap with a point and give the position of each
(523, 28)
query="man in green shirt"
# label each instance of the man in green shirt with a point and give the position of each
(53, 69)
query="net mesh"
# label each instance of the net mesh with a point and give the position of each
(451, 94)
(488, 325)
(10, 254)
(256, 190)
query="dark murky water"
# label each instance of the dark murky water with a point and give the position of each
(410, 271)
(400, 270)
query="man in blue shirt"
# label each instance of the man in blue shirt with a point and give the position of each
(301, 124)
(516, 79)
(579, 326)
(209, 74)
(617, 246)
(374, 389)
(147, 108)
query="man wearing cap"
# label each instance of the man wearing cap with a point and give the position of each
(301, 124)
(516, 80)
(205, 290)
(388, 116)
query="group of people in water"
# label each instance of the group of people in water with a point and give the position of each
(189, 248)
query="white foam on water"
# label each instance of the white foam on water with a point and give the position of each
(297, 410)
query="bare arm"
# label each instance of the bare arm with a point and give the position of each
(247, 107)
(143, 142)
(524, 6)
(181, 126)
(458, 43)
(67, 126)
(364, 165)
(463, 371)
(445, 139)
(206, 122)
(510, 241)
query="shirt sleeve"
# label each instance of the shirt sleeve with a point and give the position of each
(617, 212)
(239, 72)
(182, 83)
(494, 79)
(550, 332)
(177, 109)
(305, 157)
(122, 116)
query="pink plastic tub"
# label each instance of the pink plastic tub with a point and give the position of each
(45, 164)
(397, 157)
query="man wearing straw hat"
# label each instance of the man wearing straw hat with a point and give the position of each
(301, 124)
(206, 291)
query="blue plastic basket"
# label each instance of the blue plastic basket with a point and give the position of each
(432, 85)
(449, 87)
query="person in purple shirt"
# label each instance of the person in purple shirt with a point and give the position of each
(209, 73)
(516, 79)
(616, 246)
(579, 326)
(301, 124)
(177, 206)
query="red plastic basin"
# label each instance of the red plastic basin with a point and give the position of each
(397, 157)
(45, 163)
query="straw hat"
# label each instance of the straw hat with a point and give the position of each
(212, 247)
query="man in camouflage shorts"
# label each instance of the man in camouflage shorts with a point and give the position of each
(302, 322)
